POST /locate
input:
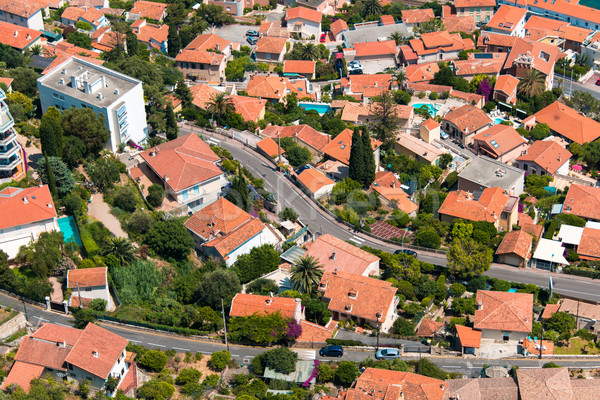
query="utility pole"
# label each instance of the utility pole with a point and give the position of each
(25, 310)
(278, 150)
(224, 324)
(542, 344)
(577, 316)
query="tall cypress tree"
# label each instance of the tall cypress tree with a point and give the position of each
(173, 41)
(357, 158)
(133, 47)
(369, 173)
(172, 129)
(51, 180)
(239, 193)
(51, 133)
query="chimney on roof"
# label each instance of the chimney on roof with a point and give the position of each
(333, 255)
(269, 301)
(16, 33)
(95, 353)
(28, 36)
(559, 157)
(25, 200)
(335, 271)
(49, 205)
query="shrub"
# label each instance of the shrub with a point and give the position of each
(262, 286)
(428, 238)
(154, 360)
(346, 373)
(427, 368)
(155, 390)
(86, 263)
(156, 194)
(433, 96)
(501, 285)
(325, 373)
(219, 360)
(551, 365)
(126, 199)
(98, 304)
(585, 334)
(344, 342)
(457, 289)
(281, 360)
(188, 375)
(403, 327)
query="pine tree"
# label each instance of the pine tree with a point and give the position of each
(369, 172)
(51, 133)
(173, 41)
(133, 48)
(51, 180)
(171, 129)
(357, 158)
(239, 194)
(183, 93)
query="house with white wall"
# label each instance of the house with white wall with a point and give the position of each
(24, 215)
(116, 97)
(244, 305)
(503, 316)
(87, 284)
(545, 157)
(304, 22)
(94, 17)
(23, 13)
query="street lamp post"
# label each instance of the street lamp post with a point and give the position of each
(378, 315)
(405, 231)
(542, 344)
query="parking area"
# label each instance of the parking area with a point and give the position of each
(374, 66)
(235, 33)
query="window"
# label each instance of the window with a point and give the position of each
(196, 190)
(23, 19)
(122, 371)
(268, 56)
(184, 194)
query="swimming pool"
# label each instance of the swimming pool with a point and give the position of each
(498, 120)
(321, 108)
(431, 108)
(69, 230)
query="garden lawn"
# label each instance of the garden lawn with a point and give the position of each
(576, 346)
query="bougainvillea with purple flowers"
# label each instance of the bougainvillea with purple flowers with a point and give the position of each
(313, 375)
(294, 330)
(485, 89)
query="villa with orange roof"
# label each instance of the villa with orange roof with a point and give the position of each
(390, 189)
(275, 88)
(93, 354)
(305, 68)
(526, 55)
(380, 384)
(415, 17)
(205, 58)
(305, 135)
(565, 122)
(224, 231)
(491, 205)
(545, 157)
(151, 35)
(503, 316)
(244, 305)
(515, 248)
(469, 339)
(338, 27)
(94, 17)
(435, 46)
(576, 14)
(268, 147)
(270, 49)
(188, 170)
(87, 284)
(421, 72)
(333, 253)
(368, 301)
(304, 22)
(583, 201)
(500, 142)
(367, 86)
(24, 215)
(147, 9)
(489, 42)
(250, 108)
(480, 10)
(339, 148)
(202, 95)
(18, 37)
(465, 122)
(383, 53)
(473, 67)
(24, 13)
(314, 183)
(508, 20)
(505, 89)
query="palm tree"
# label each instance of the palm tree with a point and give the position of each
(35, 50)
(400, 78)
(309, 52)
(398, 38)
(120, 248)
(532, 83)
(371, 7)
(220, 105)
(306, 275)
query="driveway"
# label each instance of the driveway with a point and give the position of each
(100, 211)
(235, 33)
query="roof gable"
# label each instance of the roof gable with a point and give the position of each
(24, 206)
(504, 311)
(218, 218)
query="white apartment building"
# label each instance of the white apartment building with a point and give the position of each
(22, 13)
(119, 98)
(11, 154)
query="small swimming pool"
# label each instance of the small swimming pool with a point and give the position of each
(498, 120)
(431, 108)
(69, 230)
(321, 108)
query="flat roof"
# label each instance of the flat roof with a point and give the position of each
(491, 173)
(293, 254)
(570, 234)
(373, 33)
(551, 251)
(111, 85)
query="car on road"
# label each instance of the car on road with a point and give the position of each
(387, 354)
(444, 135)
(331, 351)
(251, 32)
(252, 40)
(406, 251)
(323, 37)
(355, 71)
(354, 64)
(598, 82)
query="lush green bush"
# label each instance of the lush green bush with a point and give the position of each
(560, 322)
(316, 311)
(346, 373)
(125, 198)
(463, 306)
(137, 282)
(403, 327)
(170, 239)
(261, 260)
(98, 304)
(501, 285)
(325, 373)
(262, 286)
(457, 289)
(585, 334)
(188, 375)
(154, 360)
(155, 390)
(427, 368)
(219, 360)
(428, 238)
(344, 342)
(258, 329)
(156, 194)
(281, 360)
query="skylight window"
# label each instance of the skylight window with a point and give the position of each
(495, 144)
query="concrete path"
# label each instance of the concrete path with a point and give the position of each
(100, 211)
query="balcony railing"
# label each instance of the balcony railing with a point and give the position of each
(10, 164)
(6, 120)
(8, 151)
(7, 137)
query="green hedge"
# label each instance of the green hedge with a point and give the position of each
(587, 272)
(341, 342)
(89, 244)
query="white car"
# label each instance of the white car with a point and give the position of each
(354, 64)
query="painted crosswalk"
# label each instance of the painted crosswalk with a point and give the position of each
(357, 239)
(214, 142)
(306, 354)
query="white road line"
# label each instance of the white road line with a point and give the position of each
(207, 353)
(58, 323)
(135, 341)
(213, 141)
(177, 348)
(41, 319)
(357, 239)
(451, 366)
(235, 355)
(157, 345)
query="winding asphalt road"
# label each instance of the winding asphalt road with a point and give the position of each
(290, 196)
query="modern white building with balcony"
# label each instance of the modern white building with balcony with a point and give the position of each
(11, 154)
(117, 97)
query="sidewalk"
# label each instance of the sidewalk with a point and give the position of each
(100, 211)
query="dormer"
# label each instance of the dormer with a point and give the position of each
(352, 293)
(348, 308)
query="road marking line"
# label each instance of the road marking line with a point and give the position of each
(234, 355)
(357, 239)
(157, 345)
(58, 323)
(207, 353)
(177, 348)
(136, 341)
(40, 318)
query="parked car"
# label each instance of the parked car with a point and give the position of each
(598, 82)
(251, 33)
(354, 64)
(323, 37)
(444, 135)
(355, 71)
(252, 40)
(406, 251)
(387, 354)
(331, 351)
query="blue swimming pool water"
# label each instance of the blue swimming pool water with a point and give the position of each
(69, 229)
(498, 120)
(431, 108)
(320, 108)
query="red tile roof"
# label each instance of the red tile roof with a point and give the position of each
(269, 147)
(387, 20)
(583, 201)
(504, 311)
(46, 354)
(476, 67)
(244, 305)
(550, 310)
(474, 3)
(314, 333)
(417, 16)
(380, 384)
(357, 295)
(430, 124)
(547, 154)
(388, 186)
(272, 45)
(468, 118)
(152, 32)
(304, 133)
(495, 39)
(468, 337)
(58, 334)
(14, 211)
(461, 204)
(507, 84)
(370, 49)
(97, 350)
(21, 374)
(218, 218)
(334, 253)
(421, 72)
(225, 244)
(568, 123)
(86, 277)
(24, 36)
(185, 162)
(149, 9)
(198, 51)
(428, 328)
(453, 23)
(313, 180)
(339, 147)
(250, 108)
(275, 88)
(435, 42)
(573, 33)
(507, 18)
(589, 246)
(299, 66)
(338, 26)
(536, 49)
(22, 8)
(545, 384)
(72, 13)
(499, 139)
(303, 13)
(516, 242)
(203, 94)
(368, 85)
(384, 230)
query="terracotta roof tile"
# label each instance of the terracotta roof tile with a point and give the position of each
(504, 311)
(550, 310)
(273, 45)
(370, 49)
(454, 23)
(86, 277)
(384, 230)
(387, 20)
(507, 84)
(198, 50)
(304, 133)
(369, 85)
(357, 295)
(14, 211)
(185, 162)
(545, 384)
(225, 244)
(431, 124)
(475, 3)
(516, 242)
(417, 16)
(303, 13)
(220, 217)
(389, 188)
(435, 42)
(589, 246)
(250, 108)
(275, 88)
(461, 204)
(495, 39)
(58, 334)
(22, 8)
(244, 305)
(468, 97)
(339, 147)
(24, 37)
(533, 229)
(269, 147)
(568, 123)
(468, 337)
(428, 328)
(149, 9)
(427, 87)
(299, 66)
(314, 333)
(46, 354)
(476, 67)
(468, 118)
(72, 13)
(347, 258)
(571, 9)
(536, 49)
(313, 180)
(421, 72)
(583, 309)
(380, 384)
(573, 33)
(547, 154)
(203, 94)
(338, 26)
(21, 374)
(583, 201)
(507, 18)
(499, 139)
(150, 32)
